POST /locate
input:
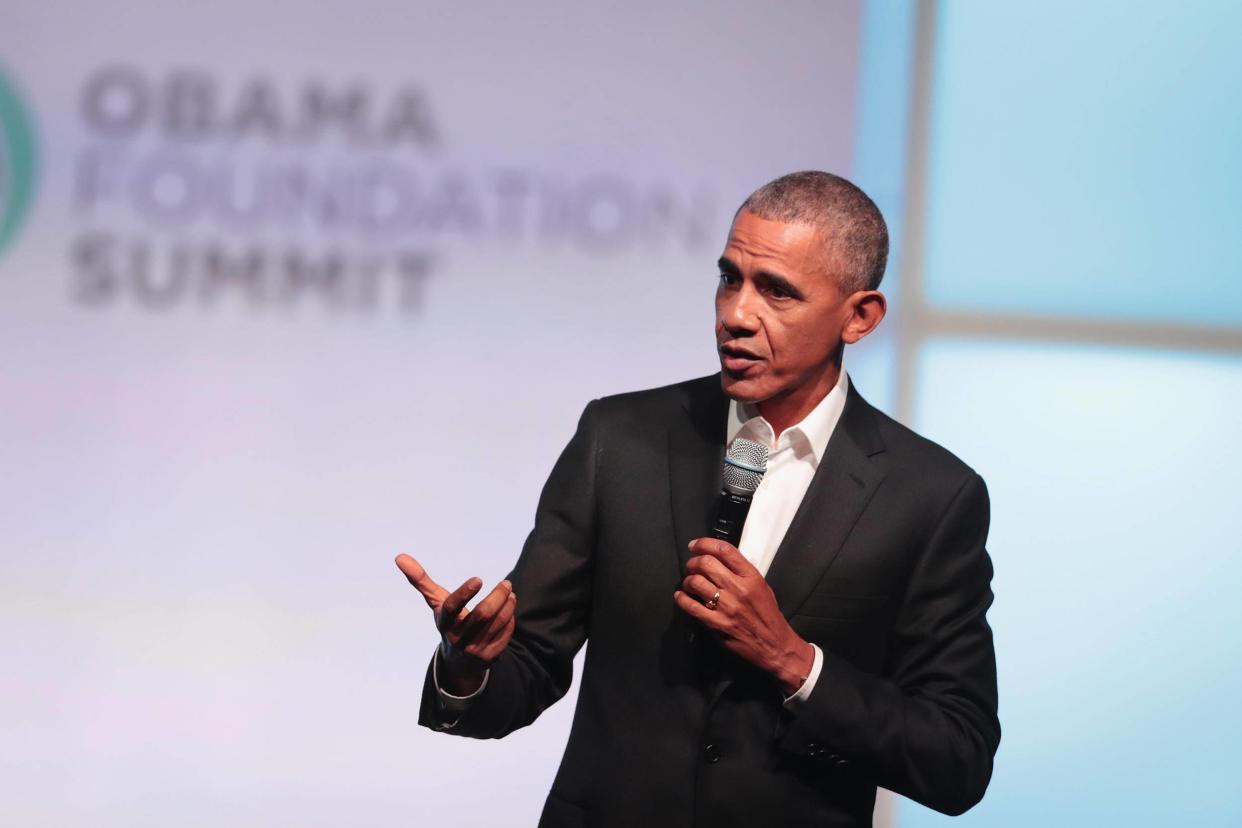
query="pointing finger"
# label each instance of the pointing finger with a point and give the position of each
(432, 592)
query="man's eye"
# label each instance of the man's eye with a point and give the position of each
(778, 292)
(728, 278)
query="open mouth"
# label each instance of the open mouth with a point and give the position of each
(736, 360)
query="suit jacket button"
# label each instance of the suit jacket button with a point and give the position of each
(840, 763)
(817, 751)
(712, 754)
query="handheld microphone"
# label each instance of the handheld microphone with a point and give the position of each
(744, 467)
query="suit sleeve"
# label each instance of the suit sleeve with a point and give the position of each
(552, 581)
(927, 728)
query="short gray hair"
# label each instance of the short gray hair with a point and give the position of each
(850, 224)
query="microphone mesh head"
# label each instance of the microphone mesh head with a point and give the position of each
(744, 465)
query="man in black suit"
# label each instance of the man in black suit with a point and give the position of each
(842, 645)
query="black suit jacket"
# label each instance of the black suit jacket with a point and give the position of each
(883, 567)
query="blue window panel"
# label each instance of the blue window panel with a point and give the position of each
(886, 57)
(1084, 160)
(872, 366)
(1114, 478)
(883, 121)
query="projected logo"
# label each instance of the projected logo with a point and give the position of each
(195, 190)
(17, 163)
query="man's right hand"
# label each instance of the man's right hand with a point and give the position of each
(475, 637)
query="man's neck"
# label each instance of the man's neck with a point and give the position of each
(786, 411)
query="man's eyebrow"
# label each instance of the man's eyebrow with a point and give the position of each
(767, 276)
(779, 281)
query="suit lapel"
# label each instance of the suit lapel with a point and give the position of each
(839, 492)
(695, 454)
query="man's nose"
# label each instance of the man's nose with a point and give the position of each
(739, 314)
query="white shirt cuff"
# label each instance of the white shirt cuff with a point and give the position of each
(448, 702)
(804, 692)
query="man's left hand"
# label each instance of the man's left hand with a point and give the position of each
(723, 591)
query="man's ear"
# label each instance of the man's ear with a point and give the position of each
(867, 308)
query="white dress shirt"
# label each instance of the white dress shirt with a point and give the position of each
(793, 457)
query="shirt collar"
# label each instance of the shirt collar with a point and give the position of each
(816, 428)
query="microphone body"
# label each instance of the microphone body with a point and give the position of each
(744, 467)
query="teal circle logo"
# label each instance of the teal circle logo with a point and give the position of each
(18, 158)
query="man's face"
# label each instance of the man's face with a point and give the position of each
(779, 314)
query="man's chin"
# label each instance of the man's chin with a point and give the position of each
(742, 389)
